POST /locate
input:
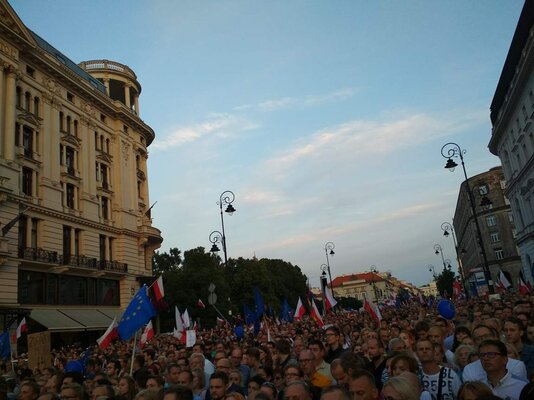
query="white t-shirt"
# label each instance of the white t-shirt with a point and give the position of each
(450, 384)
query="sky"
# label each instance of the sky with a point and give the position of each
(324, 118)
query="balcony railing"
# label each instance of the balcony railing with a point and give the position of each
(38, 254)
(52, 257)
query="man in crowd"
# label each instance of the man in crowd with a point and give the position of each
(178, 393)
(307, 363)
(442, 382)
(335, 349)
(218, 384)
(513, 331)
(362, 385)
(375, 353)
(236, 358)
(493, 355)
(297, 390)
(318, 350)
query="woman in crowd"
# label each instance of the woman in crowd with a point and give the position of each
(473, 390)
(126, 388)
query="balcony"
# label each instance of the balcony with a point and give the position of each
(113, 266)
(78, 261)
(38, 254)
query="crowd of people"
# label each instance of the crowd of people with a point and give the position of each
(412, 353)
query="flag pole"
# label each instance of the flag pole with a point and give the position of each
(133, 352)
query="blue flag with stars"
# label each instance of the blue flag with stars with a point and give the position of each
(137, 314)
(5, 347)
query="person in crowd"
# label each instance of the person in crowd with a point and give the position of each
(493, 356)
(155, 382)
(252, 360)
(513, 332)
(102, 391)
(335, 392)
(473, 390)
(362, 385)
(29, 391)
(399, 388)
(308, 364)
(199, 384)
(333, 342)
(266, 358)
(270, 390)
(236, 357)
(375, 353)
(441, 382)
(218, 385)
(319, 352)
(126, 388)
(254, 385)
(282, 357)
(149, 394)
(297, 390)
(178, 392)
(402, 363)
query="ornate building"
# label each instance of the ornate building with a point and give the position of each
(497, 228)
(512, 139)
(77, 237)
(373, 286)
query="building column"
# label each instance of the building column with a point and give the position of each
(136, 104)
(106, 84)
(2, 91)
(9, 117)
(127, 95)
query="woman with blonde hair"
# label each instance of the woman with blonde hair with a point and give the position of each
(400, 388)
(473, 390)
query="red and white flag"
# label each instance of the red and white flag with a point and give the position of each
(186, 320)
(299, 311)
(456, 289)
(200, 304)
(220, 321)
(110, 334)
(316, 315)
(523, 288)
(503, 282)
(178, 318)
(21, 328)
(372, 309)
(330, 301)
(148, 333)
(159, 293)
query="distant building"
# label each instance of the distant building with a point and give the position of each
(512, 117)
(365, 285)
(496, 224)
(430, 289)
(77, 237)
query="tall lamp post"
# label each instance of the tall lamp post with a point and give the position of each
(448, 229)
(431, 269)
(324, 284)
(439, 250)
(226, 199)
(452, 150)
(374, 271)
(329, 251)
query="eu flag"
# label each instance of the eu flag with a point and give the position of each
(250, 317)
(260, 306)
(137, 314)
(5, 347)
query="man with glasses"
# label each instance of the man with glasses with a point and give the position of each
(307, 363)
(335, 349)
(493, 356)
(474, 370)
(236, 358)
(71, 391)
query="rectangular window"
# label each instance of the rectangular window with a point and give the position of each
(104, 207)
(30, 71)
(52, 282)
(495, 237)
(27, 181)
(491, 220)
(27, 141)
(499, 254)
(73, 290)
(77, 234)
(69, 160)
(108, 292)
(61, 122)
(31, 287)
(23, 237)
(102, 246)
(70, 195)
(104, 175)
(70, 97)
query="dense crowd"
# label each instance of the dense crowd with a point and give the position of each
(485, 352)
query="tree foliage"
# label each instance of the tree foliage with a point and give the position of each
(444, 281)
(187, 280)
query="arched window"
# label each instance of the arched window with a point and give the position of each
(36, 106)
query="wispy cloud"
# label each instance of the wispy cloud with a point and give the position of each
(299, 102)
(220, 125)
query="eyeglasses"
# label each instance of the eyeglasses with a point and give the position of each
(490, 354)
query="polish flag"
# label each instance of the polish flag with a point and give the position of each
(330, 301)
(159, 293)
(523, 288)
(503, 282)
(316, 315)
(456, 288)
(21, 328)
(110, 334)
(373, 310)
(186, 319)
(148, 333)
(200, 304)
(299, 311)
(220, 321)
(178, 318)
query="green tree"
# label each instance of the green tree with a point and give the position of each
(349, 302)
(163, 263)
(444, 281)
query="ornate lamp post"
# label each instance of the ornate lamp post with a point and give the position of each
(431, 269)
(226, 199)
(374, 271)
(452, 150)
(439, 250)
(329, 251)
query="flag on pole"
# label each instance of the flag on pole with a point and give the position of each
(525, 281)
(148, 333)
(503, 282)
(258, 302)
(330, 301)
(372, 309)
(200, 304)
(110, 334)
(299, 311)
(178, 318)
(316, 315)
(5, 346)
(220, 321)
(137, 314)
(456, 289)
(186, 319)
(159, 292)
(523, 288)
(21, 328)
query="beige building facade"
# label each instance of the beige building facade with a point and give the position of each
(77, 237)
(365, 285)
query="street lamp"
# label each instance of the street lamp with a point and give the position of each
(447, 227)
(324, 284)
(226, 199)
(439, 250)
(374, 271)
(329, 251)
(452, 150)
(431, 269)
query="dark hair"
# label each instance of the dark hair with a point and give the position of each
(253, 352)
(496, 343)
(301, 372)
(132, 390)
(150, 352)
(334, 329)
(220, 375)
(257, 379)
(516, 321)
(180, 392)
(316, 342)
(359, 373)
(412, 363)
(77, 377)
(528, 392)
(158, 379)
(459, 329)
(283, 346)
(36, 389)
(344, 394)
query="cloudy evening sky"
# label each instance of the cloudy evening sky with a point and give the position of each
(325, 118)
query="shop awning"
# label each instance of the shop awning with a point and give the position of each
(75, 319)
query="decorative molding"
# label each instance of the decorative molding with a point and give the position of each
(125, 150)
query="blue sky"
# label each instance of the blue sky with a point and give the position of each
(325, 118)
